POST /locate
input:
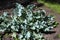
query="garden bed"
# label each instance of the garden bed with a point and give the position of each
(48, 36)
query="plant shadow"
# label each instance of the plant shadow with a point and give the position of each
(48, 32)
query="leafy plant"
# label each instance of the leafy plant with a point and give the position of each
(27, 22)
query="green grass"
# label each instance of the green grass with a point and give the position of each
(58, 35)
(53, 6)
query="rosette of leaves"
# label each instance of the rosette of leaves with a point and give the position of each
(27, 22)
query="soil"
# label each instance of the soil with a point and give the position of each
(52, 36)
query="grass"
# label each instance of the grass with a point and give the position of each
(53, 6)
(58, 35)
